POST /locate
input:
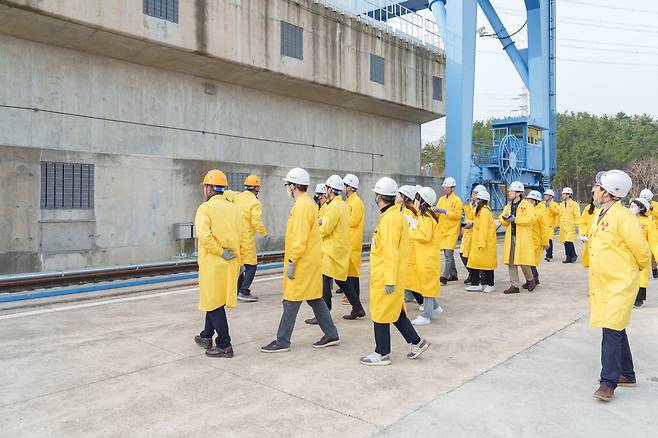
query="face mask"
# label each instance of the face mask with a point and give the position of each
(634, 209)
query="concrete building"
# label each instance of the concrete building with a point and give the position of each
(111, 112)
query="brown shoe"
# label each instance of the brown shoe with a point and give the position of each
(604, 393)
(511, 290)
(531, 285)
(354, 315)
(625, 381)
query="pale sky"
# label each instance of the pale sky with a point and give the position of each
(607, 60)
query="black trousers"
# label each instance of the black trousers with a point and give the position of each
(482, 277)
(216, 322)
(641, 295)
(346, 287)
(383, 334)
(245, 280)
(570, 250)
(616, 357)
(465, 262)
(535, 273)
(549, 251)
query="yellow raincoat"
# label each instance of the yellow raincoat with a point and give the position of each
(540, 232)
(335, 236)
(450, 223)
(483, 241)
(465, 245)
(617, 253)
(412, 281)
(524, 253)
(253, 222)
(218, 226)
(569, 216)
(650, 234)
(390, 244)
(654, 212)
(584, 227)
(321, 210)
(302, 247)
(425, 246)
(552, 215)
(357, 219)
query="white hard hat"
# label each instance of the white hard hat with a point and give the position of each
(549, 192)
(516, 186)
(386, 186)
(644, 202)
(534, 194)
(409, 191)
(449, 182)
(320, 189)
(418, 187)
(351, 180)
(616, 182)
(479, 188)
(646, 194)
(567, 191)
(298, 176)
(335, 182)
(484, 195)
(428, 195)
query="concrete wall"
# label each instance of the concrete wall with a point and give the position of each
(238, 41)
(143, 129)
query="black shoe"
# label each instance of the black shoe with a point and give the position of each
(525, 285)
(273, 347)
(566, 261)
(326, 342)
(443, 280)
(453, 278)
(468, 279)
(312, 321)
(548, 259)
(655, 273)
(247, 298)
(573, 260)
(638, 304)
(537, 281)
(203, 342)
(354, 315)
(339, 291)
(220, 352)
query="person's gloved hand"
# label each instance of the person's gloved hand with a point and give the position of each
(228, 254)
(291, 271)
(468, 225)
(320, 221)
(441, 210)
(242, 270)
(511, 218)
(389, 289)
(582, 238)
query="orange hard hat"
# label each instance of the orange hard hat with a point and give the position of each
(252, 181)
(215, 178)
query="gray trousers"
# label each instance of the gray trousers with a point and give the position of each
(513, 269)
(290, 310)
(429, 306)
(449, 267)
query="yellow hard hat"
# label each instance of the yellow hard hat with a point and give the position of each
(252, 181)
(215, 178)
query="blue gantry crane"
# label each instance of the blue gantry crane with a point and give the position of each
(521, 148)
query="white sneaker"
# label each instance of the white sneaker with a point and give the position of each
(474, 288)
(421, 308)
(376, 359)
(417, 350)
(437, 311)
(489, 289)
(420, 320)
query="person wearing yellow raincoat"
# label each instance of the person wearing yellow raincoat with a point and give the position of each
(552, 219)
(569, 217)
(357, 220)
(450, 218)
(469, 214)
(253, 222)
(302, 279)
(642, 209)
(584, 226)
(483, 259)
(335, 235)
(653, 214)
(425, 246)
(221, 246)
(404, 200)
(388, 269)
(618, 253)
(518, 217)
(320, 198)
(540, 233)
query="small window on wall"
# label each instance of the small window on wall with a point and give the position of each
(499, 133)
(164, 9)
(292, 40)
(377, 69)
(236, 180)
(437, 88)
(67, 185)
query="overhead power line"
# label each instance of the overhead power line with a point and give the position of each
(616, 8)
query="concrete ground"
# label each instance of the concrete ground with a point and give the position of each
(499, 366)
